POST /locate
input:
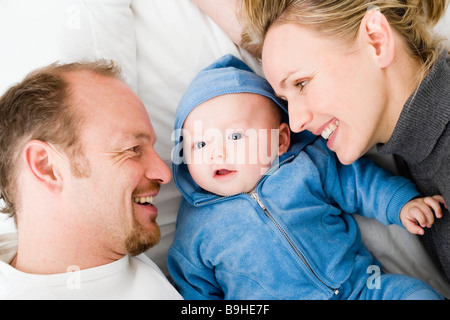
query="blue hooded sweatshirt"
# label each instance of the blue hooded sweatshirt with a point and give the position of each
(293, 236)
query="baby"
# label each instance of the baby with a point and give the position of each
(266, 214)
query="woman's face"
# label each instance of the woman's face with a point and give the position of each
(331, 91)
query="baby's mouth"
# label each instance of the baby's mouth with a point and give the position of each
(330, 129)
(223, 173)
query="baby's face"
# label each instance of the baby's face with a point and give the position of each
(231, 141)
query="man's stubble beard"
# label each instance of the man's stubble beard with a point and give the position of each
(140, 239)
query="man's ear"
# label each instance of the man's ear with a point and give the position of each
(377, 33)
(40, 162)
(284, 138)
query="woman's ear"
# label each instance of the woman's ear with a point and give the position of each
(284, 138)
(376, 31)
(40, 162)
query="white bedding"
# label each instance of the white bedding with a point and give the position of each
(161, 45)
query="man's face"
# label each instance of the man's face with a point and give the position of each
(114, 204)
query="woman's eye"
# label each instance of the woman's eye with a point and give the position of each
(134, 149)
(235, 136)
(199, 145)
(301, 84)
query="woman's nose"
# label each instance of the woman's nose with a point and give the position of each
(299, 117)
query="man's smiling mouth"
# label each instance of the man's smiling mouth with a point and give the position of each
(144, 200)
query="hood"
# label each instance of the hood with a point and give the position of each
(226, 75)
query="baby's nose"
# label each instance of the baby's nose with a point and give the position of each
(218, 152)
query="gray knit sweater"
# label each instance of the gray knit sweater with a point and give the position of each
(422, 138)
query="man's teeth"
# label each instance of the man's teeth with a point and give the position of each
(142, 200)
(328, 132)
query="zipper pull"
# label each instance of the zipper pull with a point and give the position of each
(255, 196)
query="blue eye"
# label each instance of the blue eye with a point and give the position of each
(199, 145)
(301, 85)
(235, 136)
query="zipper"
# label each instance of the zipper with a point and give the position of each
(255, 196)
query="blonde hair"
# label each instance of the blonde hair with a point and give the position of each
(412, 19)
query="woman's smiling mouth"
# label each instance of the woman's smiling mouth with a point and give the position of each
(330, 129)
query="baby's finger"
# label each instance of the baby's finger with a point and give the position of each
(413, 228)
(422, 214)
(440, 199)
(434, 204)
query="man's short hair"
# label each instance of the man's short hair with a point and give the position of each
(39, 108)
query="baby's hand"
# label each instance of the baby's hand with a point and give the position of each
(418, 213)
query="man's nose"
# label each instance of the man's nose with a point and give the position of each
(158, 170)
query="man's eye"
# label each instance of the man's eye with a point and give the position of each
(134, 149)
(235, 136)
(199, 145)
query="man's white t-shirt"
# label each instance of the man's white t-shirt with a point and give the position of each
(128, 278)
